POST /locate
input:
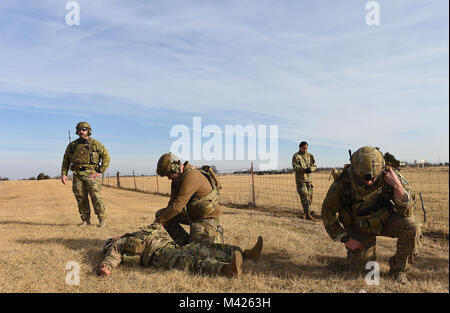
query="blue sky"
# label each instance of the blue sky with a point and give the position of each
(135, 69)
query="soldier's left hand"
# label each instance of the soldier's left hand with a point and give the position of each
(95, 175)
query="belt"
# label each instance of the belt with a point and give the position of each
(83, 168)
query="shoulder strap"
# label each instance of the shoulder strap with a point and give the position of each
(73, 146)
(211, 176)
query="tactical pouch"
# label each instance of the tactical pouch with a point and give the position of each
(373, 223)
(203, 206)
(131, 260)
(134, 246)
(94, 157)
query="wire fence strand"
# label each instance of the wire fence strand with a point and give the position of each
(278, 191)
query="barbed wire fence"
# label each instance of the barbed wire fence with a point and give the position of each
(243, 187)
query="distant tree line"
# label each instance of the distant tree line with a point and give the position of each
(41, 176)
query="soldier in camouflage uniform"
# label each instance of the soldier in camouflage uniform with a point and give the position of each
(371, 199)
(304, 164)
(194, 201)
(152, 246)
(88, 159)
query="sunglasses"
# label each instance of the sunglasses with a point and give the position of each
(83, 129)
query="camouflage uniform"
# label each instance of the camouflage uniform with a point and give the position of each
(200, 213)
(366, 212)
(300, 162)
(85, 157)
(152, 246)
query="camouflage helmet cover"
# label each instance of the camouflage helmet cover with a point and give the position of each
(168, 163)
(367, 163)
(84, 124)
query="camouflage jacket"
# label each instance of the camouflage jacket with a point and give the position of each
(193, 195)
(147, 241)
(346, 199)
(300, 162)
(85, 157)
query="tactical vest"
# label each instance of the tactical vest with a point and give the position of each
(305, 160)
(365, 209)
(140, 246)
(84, 156)
(200, 207)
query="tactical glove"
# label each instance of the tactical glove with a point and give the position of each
(308, 170)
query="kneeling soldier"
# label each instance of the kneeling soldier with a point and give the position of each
(194, 201)
(372, 199)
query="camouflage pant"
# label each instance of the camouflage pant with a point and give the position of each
(408, 232)
(83, 186)
(305, 191)
(194, 257)
(205, 230)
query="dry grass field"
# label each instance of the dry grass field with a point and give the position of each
(39, 237)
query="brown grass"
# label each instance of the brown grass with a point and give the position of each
(39, 236)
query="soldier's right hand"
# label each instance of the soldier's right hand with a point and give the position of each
(64, 179)
(353, 244)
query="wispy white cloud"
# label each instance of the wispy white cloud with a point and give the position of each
(316, 69)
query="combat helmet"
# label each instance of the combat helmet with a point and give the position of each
(82, 125)
(367, 163)
(168, 163)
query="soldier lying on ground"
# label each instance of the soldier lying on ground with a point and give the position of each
(152, 246)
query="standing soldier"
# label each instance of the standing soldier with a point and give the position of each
(194, 201)
(372, 199)
(88, 159)
(152, 246)
(304, 164)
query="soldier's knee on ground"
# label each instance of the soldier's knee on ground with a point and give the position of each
(159, 212)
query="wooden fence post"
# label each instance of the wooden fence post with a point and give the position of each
(157, 184)
(135, 187)
(118, 179)
(253, 187)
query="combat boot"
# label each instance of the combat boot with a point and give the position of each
(397, 276)
(308, 216)
(400, 277)
(254, 252)
(234, 268)
(86, 222)
(102, 223)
